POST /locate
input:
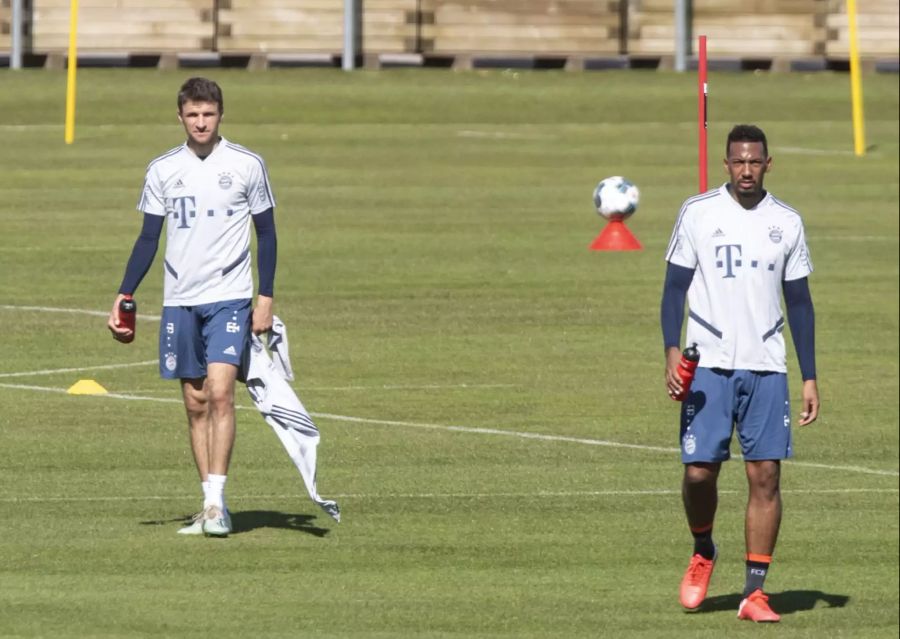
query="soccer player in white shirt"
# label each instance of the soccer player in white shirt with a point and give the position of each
(734, 252)
(207, 191)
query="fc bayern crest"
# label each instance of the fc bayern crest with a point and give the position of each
(225, 181)
(689, 443)
(775, 234)
(171, 361)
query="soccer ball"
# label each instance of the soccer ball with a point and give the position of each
(616, 198)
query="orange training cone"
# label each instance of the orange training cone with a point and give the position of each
(616, 237)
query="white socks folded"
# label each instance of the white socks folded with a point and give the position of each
(214, 491)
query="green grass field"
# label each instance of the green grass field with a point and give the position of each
(490, 395)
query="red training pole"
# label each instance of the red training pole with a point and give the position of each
(701, 114)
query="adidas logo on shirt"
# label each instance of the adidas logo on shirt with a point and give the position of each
(719, 233)
(230, 351)
(179, 184)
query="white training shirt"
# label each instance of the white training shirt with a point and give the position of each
(207, 204)
(740, 257)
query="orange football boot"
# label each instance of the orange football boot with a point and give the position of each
(756, 608)
(696, 581)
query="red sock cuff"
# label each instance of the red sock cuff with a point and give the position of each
(701, 529)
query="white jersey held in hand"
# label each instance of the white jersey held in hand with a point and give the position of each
(267, 383)
(740, 257)
(207, 204)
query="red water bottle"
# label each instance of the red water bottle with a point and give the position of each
(687, 366)
(127, 315)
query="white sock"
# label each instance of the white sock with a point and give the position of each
(214, 495)
(205, 486)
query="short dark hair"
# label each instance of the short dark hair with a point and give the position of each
(200, 90)
(746, 133)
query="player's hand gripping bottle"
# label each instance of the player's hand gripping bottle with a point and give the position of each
(127, 315)
(687, 366)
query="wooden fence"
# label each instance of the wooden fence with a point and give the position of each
(747, 29)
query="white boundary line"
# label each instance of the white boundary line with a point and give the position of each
(408, 387)
(364, 420)
(148, 362)
(71, 311)
(799, 150)
(504, 135)
(466, 429)
(534, 495)
(78, 370)
(494, 431)
(76, 311)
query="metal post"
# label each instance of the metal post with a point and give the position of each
(15, 58)
(216, 10)
(418, 44)
(683, 19)
(856, 94)
(351, 36)
(702, 115)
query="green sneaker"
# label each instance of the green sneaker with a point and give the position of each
(216, 522)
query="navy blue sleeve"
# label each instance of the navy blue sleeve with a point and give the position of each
(802, 320)
(143, 253)
(266, 250)
(671, 312)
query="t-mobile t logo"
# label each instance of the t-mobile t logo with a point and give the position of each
(182, 208)
(732, 258)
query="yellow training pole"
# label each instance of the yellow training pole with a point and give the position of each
(73, 65)
(859, 131)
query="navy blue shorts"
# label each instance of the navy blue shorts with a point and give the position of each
(720, 401)
(190, 337)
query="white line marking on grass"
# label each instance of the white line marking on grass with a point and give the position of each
(503, 495)
(47, 389)
(467, 429)
(49, 309)
(858, 238)
(852, 469)
(799, 150)
(41, 126)
(405, 387)
(493, 431)
(574, 440)
(304, 389)
(73, 311)
(503, 135)
(26, 127)
(78, 370)
(586, 493)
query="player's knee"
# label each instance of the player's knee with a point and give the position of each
(195, 405)
(692, 481)
(764, 480)
(221, 397)
(698, 475)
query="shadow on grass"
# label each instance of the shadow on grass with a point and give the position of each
(784, 603)
(248, 520)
